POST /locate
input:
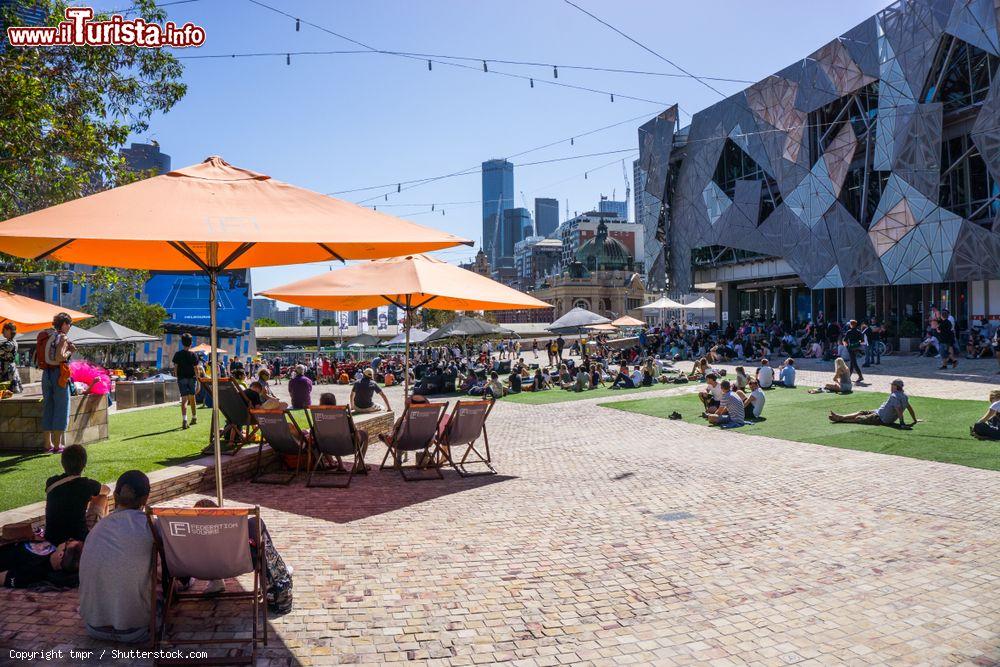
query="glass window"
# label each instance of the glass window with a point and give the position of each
(735, 165)
(967, 188)
(961, 74)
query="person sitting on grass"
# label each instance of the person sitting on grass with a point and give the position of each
(115, 568)
(73, 503)
(700, 369)
(495, 389)
(566, 379)
(596, 375)
(730, 411)
(988, 428)
(841, 379)
(514, 380)
(753, 400)
(623, 380)
(711, 397)
(582, 382)
(786, 376)
(539, 382)
(741, 378)
(363, 394)
(765, 374)
(890, 413)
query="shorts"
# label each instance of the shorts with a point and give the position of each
(868, 418)
(187, 386)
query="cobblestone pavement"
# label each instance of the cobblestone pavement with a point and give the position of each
(618, 538)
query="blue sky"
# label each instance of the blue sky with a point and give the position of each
(333, 123)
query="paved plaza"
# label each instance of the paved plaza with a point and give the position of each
(617, 538)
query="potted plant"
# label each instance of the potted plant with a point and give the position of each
(907, 335)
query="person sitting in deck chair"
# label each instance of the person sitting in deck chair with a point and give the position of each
(890, 413)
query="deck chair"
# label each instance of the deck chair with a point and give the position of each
(334, 434)
(416, 431)
(282, 433)
(207, 543)
(234, 406)
(463, 428)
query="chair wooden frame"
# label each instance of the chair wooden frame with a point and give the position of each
(295, 433)
(173, 598)
(426, 443)
(451, 438)
(319, 443)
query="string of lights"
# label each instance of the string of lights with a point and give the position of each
(432, 61)
(433, 56)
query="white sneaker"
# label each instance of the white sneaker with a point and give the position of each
(215, 586)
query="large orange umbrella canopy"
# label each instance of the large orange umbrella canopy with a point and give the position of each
(30, 314)
(410, 281)
(170, 223)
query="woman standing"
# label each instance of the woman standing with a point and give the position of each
(53, 352)
(8, 358)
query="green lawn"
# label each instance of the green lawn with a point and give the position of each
(144, 439)
(562, 396)
(794, 414)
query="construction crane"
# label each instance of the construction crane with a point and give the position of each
(628, 186)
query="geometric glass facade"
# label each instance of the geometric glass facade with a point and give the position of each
(873, 161)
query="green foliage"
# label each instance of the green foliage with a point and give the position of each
(65, 112)
(116, 296)
(434, 319)
(266, 322)
(308, 323)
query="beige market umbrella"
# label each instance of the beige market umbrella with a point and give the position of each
(211, 217)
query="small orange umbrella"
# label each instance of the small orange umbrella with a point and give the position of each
(212, 217)
(31, 314)
(626, 322)
(408, 283)
(205, 348)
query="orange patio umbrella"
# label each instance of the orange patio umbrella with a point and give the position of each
(31, 314)
(409, 283)
(206, 349)
(212, 217)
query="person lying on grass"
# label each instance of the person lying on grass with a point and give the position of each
(890, 413)
(730, 411)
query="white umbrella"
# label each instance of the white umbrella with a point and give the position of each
(701, 304)
(663, 303)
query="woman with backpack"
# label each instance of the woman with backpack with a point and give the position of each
(53, 350)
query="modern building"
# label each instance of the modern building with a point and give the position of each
(516, 226)
(30, 14)
(546, 216)
(576, 231)
(535, 258)
(861, 180)
(498, 196)
(263, 308)
(612, 206)
(290, 317)
(146, 157)
(600, 278)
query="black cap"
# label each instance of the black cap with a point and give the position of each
(132, 483)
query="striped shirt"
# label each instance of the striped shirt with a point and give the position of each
(734, 408)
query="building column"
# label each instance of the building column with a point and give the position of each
(728, 303)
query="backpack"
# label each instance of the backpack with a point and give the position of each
(278, 578)
(41, 342)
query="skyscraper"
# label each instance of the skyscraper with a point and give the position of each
(516, 227)
(546, 215)
(498, 196)
(143, 157)
(611, 206)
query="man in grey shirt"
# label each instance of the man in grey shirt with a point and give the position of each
(888, 414)
(115, 567)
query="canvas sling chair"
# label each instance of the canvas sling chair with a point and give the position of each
(207, 543)
(463, 428)
(334, 434)
(416, 431)
(282, 433)
(241, 428)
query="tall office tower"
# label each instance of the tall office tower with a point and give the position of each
(546, 215)
(611, 206)
(142, 157)
(516, 226)
(498, 196)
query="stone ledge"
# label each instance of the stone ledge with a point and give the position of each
(198, 475)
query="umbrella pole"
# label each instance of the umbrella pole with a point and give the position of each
(213, 275)
(406, 357)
